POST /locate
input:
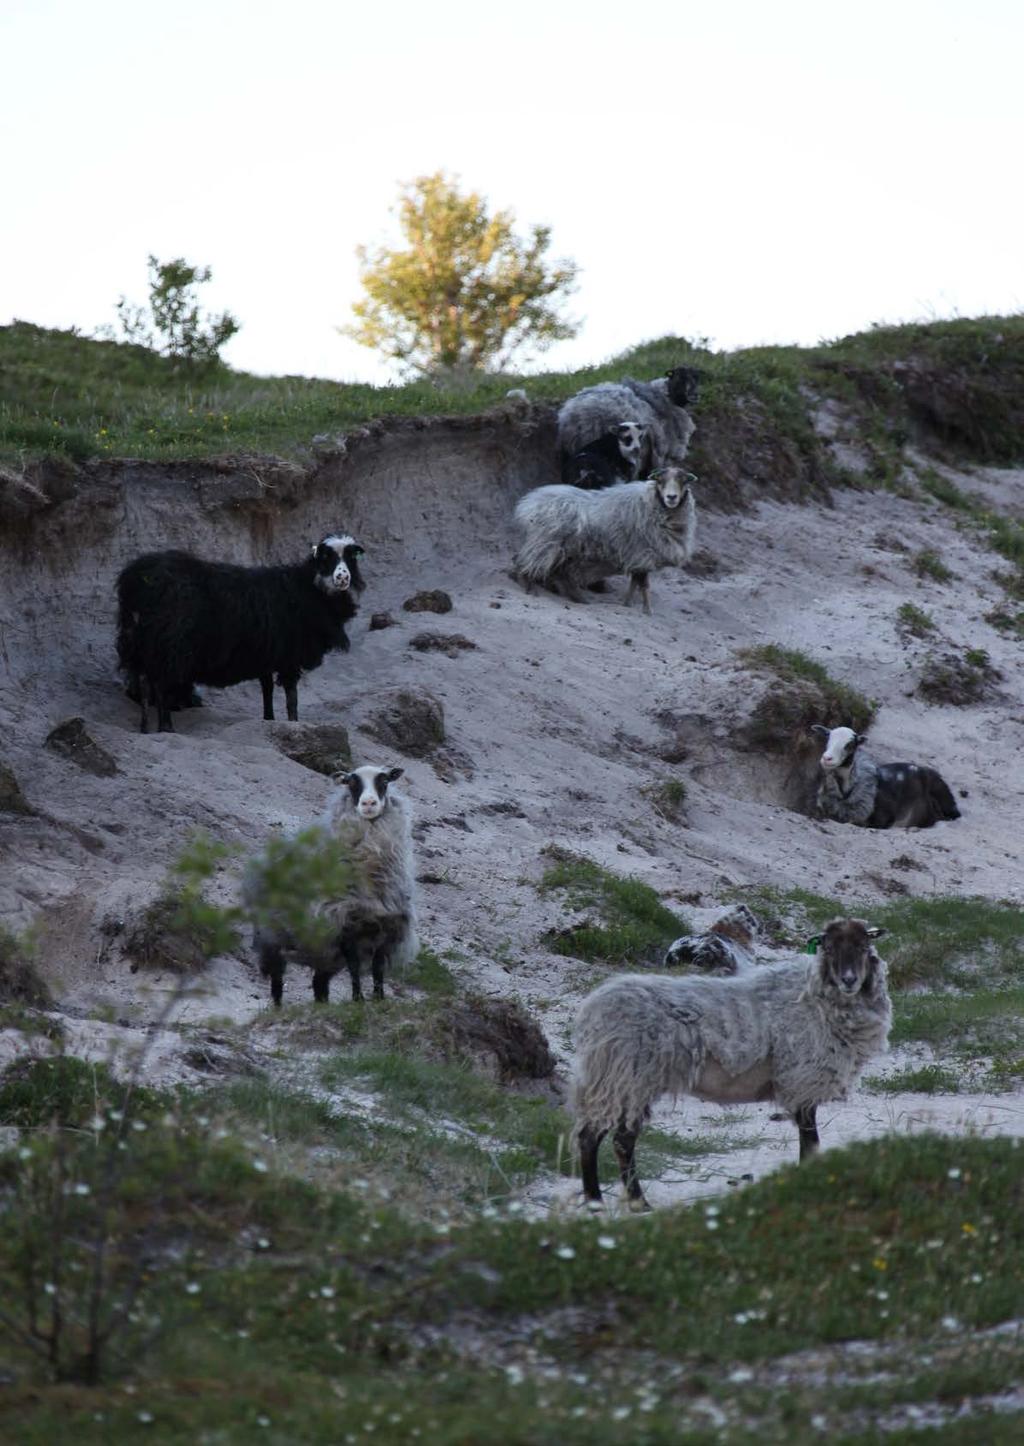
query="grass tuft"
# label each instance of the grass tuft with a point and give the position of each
(635, 926)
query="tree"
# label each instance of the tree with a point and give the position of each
(173, 314)
(466, 292)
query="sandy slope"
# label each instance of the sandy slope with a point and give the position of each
(554, 717)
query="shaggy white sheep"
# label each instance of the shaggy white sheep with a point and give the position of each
(572, 537)
(374, 918)
(798, 1033)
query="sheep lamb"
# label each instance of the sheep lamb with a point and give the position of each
(613, 457)
(798, 1032)
(573, 538)
(660, 407)
(182, 620)
(373, 918)
(728, 947)
(854, 788)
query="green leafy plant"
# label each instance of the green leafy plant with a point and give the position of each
(172, 322)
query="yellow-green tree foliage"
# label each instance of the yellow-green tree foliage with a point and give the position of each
(465, 293)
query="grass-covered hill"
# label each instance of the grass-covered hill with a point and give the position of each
(960, 383)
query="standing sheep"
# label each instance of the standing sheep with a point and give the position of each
(855, 789)
(572, 537)
(798, 1033)
(182, 620)
(659, 406)
(372, 919)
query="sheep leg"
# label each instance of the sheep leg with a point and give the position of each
(267, 684)
(272, 966)
(624, 1143)
(163, 709)
(145, 697)
(807, 1125)
(322, 985)
(350, 953)
(590, 1142)
(567, 585)
(291, 698)
(380, 958)
(638, 582)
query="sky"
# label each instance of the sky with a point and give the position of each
(745, 171)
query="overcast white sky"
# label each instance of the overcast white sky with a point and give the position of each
(748, 170)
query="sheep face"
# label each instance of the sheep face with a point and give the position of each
(368, 787)
(335, 559)
(848, 960)
(631, 438)
(683, 385)
(673, 486)
(841, 746)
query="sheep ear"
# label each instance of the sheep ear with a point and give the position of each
(819, 728)
(861, 737)
(876, 933)
(394, 773)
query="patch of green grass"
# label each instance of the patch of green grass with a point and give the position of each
(431, 974)
(928, 563)
(987, 1022)
(914, 620)
(667, 798)
(635, 926)
(1005, 621)
(928, 1079)
(945, 491)
(840, 700)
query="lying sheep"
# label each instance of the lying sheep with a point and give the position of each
(798, 1033)
(726, 948)
(373, 919)
(658, 406)
(855, 789)
(572, 537)
(613, 457)
(182, 620)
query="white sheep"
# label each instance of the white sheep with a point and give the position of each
(798, 1032)
(659, 406)
(854, 788)
(573, 537)
(374, 917)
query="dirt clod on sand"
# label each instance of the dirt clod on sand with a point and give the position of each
(451, 644)
(20, 982)
(958, 678)
(409, 719)
(12, 800)
(323, 747)
(159, 940)
(500, 1034)
(433, 600)
(72, 740)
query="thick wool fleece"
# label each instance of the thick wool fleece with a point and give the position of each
(856, 802)
(780, 1033)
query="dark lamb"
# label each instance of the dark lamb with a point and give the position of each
(182, 621)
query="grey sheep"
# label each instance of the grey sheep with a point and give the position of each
(798, 1032)
(659, 406)
(573, 537)
(374, 918)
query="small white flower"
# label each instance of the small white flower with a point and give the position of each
(262, 1420)
(193, 1288)
(621, 1412)
(49, 1288)
(24, 1153)
(139, 1125)
(360, 1184)
(263, 1243)
(606, 1242)
(327, 1291)
(740, 1376)
(977, 1279)
(514, 1375)
(260, 1166)
(711, 1224)
(97, 1123)
(82, 1189)
(565, 1252)
(514, 1207)
(441, 1228)
(950, 1323)
(145, 1417)
(882, 1294)
(954, 1173)
(711, 1210)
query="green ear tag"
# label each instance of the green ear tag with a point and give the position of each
(812, 944)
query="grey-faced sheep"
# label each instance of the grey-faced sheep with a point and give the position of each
(660, 407)
(726, 948)
(372, 920)
(854, 788)
(798, 1033)
(182, 620)
(572, 538)
(613, 457)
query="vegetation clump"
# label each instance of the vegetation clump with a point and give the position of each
(805, 693)
(914, 622)
(959, 679)
(634, 928)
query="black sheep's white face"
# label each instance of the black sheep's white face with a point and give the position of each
(369, 789)
(841, 746)
(630, 437)
(337, 567)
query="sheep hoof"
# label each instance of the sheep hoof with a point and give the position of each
(595, 1207)
(638, 1206)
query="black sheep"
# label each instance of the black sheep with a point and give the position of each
(612, 457)
(182, 620)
